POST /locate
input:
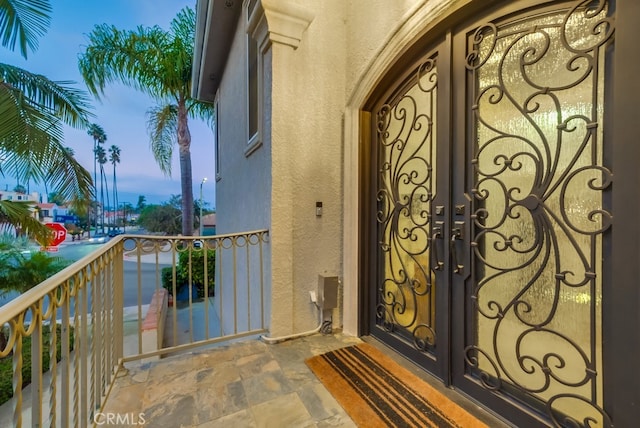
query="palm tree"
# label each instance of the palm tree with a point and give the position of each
(101, 156)
(20, 189)
(114, 158)
(33, 110)
(99, 137)
(142, 202)
(159, 64)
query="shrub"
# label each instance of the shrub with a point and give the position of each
(6, 363)
(197, 272)
(19, 272)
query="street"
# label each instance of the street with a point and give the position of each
(148, 274)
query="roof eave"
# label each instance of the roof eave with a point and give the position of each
(216, 22)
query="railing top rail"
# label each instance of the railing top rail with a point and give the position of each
(12, 309)
(194, 237)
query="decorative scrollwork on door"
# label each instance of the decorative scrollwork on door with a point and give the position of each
(406, 187)
(540, 212)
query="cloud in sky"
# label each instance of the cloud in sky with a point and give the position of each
(121, 112)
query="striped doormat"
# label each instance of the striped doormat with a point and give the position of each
(376, 392)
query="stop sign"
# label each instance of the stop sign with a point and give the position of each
(59, 233)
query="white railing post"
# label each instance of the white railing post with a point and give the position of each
(118, 308)
(65, 347)
(17, 371)
(36, 365)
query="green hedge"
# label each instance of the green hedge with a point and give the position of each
(197, 272)
(6, 363)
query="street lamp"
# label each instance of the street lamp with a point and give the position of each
(204, 180)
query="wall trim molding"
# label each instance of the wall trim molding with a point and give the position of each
(286, 22)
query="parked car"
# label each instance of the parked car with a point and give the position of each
(99, 238)
(115, 232)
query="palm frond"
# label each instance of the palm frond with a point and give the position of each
(39, 157)
(162, 126)
(67, 177)
(114, 154)
(177, 61)
(19, 214)
(202, 111)
(97, 133)
(21, 117)
(23, 129)
(129, 57)
(183, 26)
(22, 22)
(68, 104)
(32, 111)
(150, 60)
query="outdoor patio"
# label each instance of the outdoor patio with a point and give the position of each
(245, 384)
(215, 371)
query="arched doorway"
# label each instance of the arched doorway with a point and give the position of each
(489, 217)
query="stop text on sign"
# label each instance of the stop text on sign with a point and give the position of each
(59, 233)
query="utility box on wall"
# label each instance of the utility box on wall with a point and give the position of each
(328, 292)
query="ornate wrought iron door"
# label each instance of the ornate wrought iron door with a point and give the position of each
(508, 256)
(406, 177)
(539, 216)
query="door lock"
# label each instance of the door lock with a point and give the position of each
(458, 229)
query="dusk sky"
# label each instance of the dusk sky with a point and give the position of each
(121, 112)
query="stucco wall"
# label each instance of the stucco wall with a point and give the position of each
(308, 99)
(243, 192)
(307, 156)
(371, 23)
(311, 86)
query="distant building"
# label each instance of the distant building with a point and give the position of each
(6, 195)
(50, 212)
(115, 218)
(209, 224)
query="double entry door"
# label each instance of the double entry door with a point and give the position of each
(489, 211)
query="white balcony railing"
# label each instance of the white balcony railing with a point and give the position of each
(110, 308)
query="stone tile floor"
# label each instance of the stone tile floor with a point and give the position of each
(244, 384)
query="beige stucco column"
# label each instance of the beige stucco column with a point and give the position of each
(279, 34)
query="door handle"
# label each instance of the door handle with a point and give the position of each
(456, 234)
(437, 235)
